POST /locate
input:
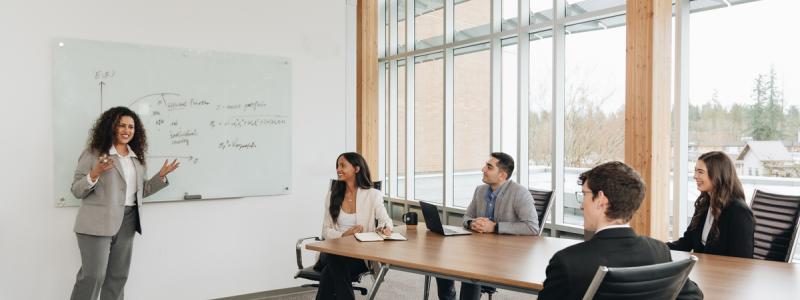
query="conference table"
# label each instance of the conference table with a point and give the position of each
(518, 263)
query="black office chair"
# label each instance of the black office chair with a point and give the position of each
(653, 282)
(315, 274)
(777, 223)
(543, 201)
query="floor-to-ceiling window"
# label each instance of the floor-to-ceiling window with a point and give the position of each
(569, 77)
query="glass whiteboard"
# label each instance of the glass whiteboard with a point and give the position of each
(225, 116)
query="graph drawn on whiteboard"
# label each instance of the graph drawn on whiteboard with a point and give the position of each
(225, 117)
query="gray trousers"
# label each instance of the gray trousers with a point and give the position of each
(105, 261)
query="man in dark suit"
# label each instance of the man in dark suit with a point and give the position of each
(612, 192)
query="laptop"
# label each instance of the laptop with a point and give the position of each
(434, 223)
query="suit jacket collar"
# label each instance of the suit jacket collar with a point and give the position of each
(615, 233)
(499, 204)
(114, 155)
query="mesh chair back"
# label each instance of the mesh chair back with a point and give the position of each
(776, 225)
(542, 200)
(659, 281)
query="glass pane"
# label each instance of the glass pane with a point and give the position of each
(510, 14)
(540, 132)
(749, 109)
(387, 117)
(509, 101)
(471, 120)
(386, 33)
(401, 129)
(594, 105)
(401, 26)
(541, 11)
(472, 19)
(428, 23)
(428, 128)
(581, 7)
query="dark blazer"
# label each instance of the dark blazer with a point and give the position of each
(571, 270)
(736, 226)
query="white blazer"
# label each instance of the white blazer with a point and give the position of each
(369, 207)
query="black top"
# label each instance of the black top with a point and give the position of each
(736, 226)
(571, 270)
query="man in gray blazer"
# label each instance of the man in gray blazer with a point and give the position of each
(499, 206)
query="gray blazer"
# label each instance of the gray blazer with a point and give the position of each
(103, 205)
(514, 210)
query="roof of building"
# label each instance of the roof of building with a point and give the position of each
(766, 151)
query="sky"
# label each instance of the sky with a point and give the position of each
(732, 45)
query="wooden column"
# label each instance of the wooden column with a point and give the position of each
(647, 109)
(367, 83)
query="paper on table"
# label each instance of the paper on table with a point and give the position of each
(374, 237)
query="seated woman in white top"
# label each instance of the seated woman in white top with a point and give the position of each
(351, 206)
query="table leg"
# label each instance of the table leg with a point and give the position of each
(378, 281)
(427, 286)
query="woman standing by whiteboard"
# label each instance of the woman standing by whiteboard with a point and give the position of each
(109, 179)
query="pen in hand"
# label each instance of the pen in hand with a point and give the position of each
(384, 230)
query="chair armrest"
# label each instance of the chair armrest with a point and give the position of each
(299, 247)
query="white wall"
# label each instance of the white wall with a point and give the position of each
(350, 75)
(190, 250)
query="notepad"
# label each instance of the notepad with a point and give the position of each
(374, 237)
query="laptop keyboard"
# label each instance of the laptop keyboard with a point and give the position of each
(452, 229)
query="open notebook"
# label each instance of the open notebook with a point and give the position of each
(374, 237)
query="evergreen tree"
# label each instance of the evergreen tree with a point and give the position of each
(767, 111)
(774, 104)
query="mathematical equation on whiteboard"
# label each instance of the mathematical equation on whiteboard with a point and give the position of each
(187, 123)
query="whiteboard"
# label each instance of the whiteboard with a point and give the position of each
(224, 116)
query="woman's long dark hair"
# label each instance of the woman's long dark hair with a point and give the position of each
(101, 136)
(363, 180)
(726, 188)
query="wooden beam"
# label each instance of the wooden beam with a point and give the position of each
(367, 83)
(647, 107)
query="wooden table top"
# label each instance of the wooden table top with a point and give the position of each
(521, 261)
(518, 261)
(724, 277)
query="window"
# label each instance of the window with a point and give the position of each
(471, 119)
(594, 103)
(401, 26)
(746, 107)
(486, 84)
(428, 23)
(541, 11)
(540, 130)
(509, 100)
(751, 109)
(429, 128)
(510, 13)
(587, 6)
(472, 18)
(401, 129)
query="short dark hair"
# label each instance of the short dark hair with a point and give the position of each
(621, 184)
(505, 162)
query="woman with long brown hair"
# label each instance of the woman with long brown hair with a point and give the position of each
(722, 223)
(351, 206)
(109, 213)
